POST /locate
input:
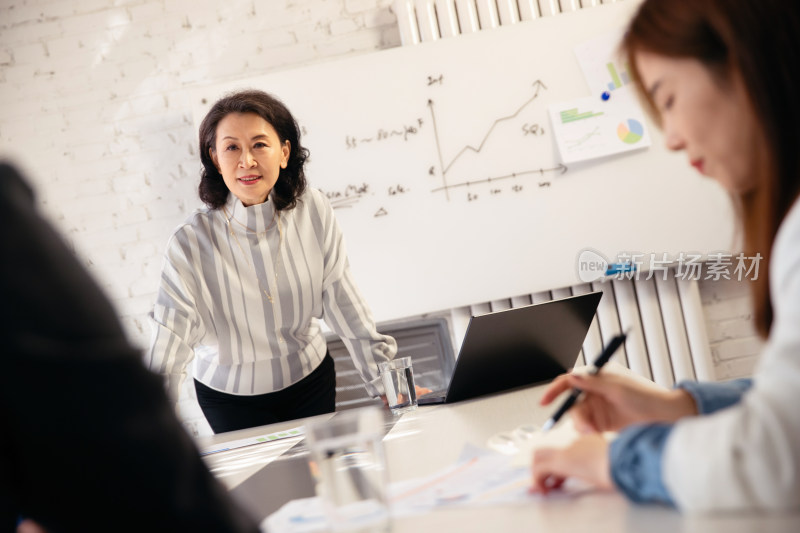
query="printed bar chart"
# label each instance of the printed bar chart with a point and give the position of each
(618, 79)
(571, 115)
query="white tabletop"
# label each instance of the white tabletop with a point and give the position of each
(432, 438)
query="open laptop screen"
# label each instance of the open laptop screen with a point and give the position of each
(520, 346)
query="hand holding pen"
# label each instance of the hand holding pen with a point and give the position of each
(601, 360)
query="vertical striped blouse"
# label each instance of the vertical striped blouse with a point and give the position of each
(242, 289)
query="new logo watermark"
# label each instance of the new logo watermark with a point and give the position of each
(593, 266)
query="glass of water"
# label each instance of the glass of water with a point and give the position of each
(398, 382)
(349, 468)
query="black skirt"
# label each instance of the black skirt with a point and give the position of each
(313, 395)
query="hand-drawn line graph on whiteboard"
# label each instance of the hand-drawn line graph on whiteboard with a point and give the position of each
(458, 166)
(445, 167)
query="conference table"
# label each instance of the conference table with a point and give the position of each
(265, 476)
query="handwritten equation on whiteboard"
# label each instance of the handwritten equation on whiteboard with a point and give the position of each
(446, 176)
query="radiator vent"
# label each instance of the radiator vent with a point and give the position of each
(428, 20)
(668, 340)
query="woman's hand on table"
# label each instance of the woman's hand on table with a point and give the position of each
(586, 459)
(421, 391)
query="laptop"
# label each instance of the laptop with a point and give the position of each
(518, 347)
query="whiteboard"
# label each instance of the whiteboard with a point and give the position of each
(440, 165)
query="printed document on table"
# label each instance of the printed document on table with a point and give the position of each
(480, 477)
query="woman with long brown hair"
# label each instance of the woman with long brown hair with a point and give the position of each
(716, 77)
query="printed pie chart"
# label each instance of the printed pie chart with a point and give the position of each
(630, 131)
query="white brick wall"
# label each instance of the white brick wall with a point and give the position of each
(94, 108)
(734, 342)
(93, 105)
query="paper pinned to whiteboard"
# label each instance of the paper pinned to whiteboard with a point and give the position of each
(588, 128)
(603, 67)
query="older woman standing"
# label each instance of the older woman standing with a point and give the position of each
(246, 279)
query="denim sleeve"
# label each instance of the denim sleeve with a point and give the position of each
(635, 457)
(711, 397)
(636, 454)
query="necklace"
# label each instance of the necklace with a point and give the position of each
(275, 261)
(228, 217)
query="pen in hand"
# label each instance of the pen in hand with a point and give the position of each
(601, 360)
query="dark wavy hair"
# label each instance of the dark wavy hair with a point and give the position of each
(750, 39)
(291, 181)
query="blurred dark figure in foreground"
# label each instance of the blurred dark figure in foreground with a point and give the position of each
(89, 441)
